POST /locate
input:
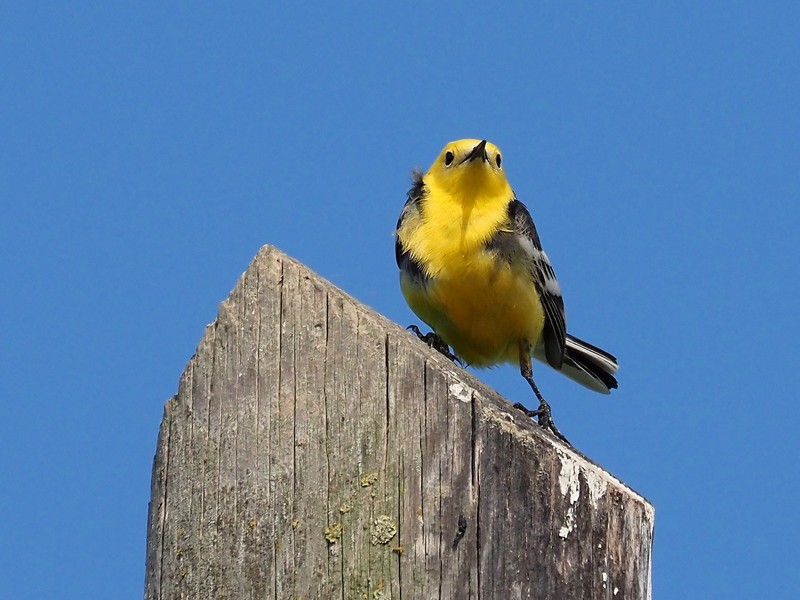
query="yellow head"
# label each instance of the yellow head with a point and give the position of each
(468, 170)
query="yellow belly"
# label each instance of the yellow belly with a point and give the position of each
(482, 308)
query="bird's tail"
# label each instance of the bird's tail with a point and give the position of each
(589, 365)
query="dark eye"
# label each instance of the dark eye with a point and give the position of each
(498, 160)
(448, 158)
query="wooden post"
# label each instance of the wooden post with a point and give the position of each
(317, 450)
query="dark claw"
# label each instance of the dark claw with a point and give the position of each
(435, 342)
(545, 419)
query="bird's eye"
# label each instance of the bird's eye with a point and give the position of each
(448, 158)
(498, 160)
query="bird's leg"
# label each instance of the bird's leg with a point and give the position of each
(542, 414)
(435, 342)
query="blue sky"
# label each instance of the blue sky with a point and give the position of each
(149, 151)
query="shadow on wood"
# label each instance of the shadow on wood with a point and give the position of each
(317, 450)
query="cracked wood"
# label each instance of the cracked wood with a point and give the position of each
(316, 450)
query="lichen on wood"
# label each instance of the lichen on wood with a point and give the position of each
(316, 450)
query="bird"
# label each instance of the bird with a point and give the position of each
(473, 269)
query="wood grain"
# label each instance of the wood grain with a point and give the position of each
(317, 450)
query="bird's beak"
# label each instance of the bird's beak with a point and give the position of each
(478, 151)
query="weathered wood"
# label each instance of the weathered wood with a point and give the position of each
(316, 450)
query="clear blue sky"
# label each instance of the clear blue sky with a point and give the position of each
(149, 151)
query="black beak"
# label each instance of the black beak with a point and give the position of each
(478, 151)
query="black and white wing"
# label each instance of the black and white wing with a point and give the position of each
(587, 364)
(554, 334)
(410, 217)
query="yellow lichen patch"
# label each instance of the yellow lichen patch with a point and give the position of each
(251, 523)
(399, 549)
(345, 508)
(367, 479)
(333, 532)
(295, 523)
(383, 530)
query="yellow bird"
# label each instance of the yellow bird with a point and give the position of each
(472, 267)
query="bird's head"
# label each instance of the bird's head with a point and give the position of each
(469, 169)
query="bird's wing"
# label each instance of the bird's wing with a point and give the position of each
(409, 215)
(522, 241)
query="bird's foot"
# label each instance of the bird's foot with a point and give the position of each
(544, 418)
(435, 342)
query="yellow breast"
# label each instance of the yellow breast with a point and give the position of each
(483, 307)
